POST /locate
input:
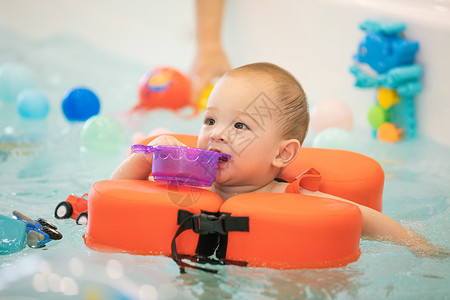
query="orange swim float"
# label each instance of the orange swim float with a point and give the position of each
(282, 231)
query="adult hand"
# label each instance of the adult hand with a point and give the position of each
(208, 64)
(210, 60)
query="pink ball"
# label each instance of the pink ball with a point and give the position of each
(331, 113)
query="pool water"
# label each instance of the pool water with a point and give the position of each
(42, 162)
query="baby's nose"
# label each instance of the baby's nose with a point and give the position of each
(218, 135)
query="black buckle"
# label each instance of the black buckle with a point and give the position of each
(206, 223)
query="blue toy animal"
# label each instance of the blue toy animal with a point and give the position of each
(385, 60)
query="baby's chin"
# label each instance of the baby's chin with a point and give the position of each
(220, 177)
(224, 177)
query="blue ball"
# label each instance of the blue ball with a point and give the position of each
(32, 104)
(79, 104)
(335, 138)
(14, 78)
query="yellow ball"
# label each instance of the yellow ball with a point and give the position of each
(203, 99)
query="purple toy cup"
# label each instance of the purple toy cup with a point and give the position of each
(183, 165)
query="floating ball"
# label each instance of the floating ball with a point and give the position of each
(79, 104)
(331, 113)
(204, 96)
(164, 87)
(335, 138)
(14, 78)
(32, 104)
(102, 134)
(376, 116)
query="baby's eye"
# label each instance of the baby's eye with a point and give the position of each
(209, 121)
(240, 125)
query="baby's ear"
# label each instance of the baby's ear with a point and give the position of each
(288, 151)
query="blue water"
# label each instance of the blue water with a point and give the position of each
(42, 162)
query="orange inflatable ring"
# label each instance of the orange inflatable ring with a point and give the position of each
(283, 231)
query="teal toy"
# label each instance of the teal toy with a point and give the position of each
(381, 27)
(13, 237)
(385, 61)
(395, 77)
(20, 230)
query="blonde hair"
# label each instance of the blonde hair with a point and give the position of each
(293, 119)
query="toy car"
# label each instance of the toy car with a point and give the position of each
(74, 207)
(39, 232)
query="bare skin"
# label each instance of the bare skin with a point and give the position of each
(210, 60)
(251, 170)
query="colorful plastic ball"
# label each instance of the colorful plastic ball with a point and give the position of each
(376, 116)
(14, 78)
(331, 113)
(79, 104)
(32, 104)
(103, 135)
(204, 96)
(335, 138)
(164, 87)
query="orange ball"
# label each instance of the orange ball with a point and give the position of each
(164, 87)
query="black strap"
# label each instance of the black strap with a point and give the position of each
(213, 229)
(185, 224)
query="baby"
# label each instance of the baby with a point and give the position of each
(258, 114)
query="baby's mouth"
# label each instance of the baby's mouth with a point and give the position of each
(223, 158)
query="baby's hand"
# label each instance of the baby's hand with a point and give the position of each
(166, 140)
(421, 247)
(427, 249)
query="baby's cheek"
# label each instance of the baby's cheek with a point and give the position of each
(203, 138)
(201, 142)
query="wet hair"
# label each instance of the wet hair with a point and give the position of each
(290, 98)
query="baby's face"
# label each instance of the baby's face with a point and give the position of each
(240, 120)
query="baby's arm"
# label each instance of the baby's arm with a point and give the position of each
(381, 227)
(139, 166)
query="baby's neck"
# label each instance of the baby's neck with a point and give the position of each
(225, 192)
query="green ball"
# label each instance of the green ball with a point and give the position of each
(335, 138)
(377, 116)
(102, 134)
